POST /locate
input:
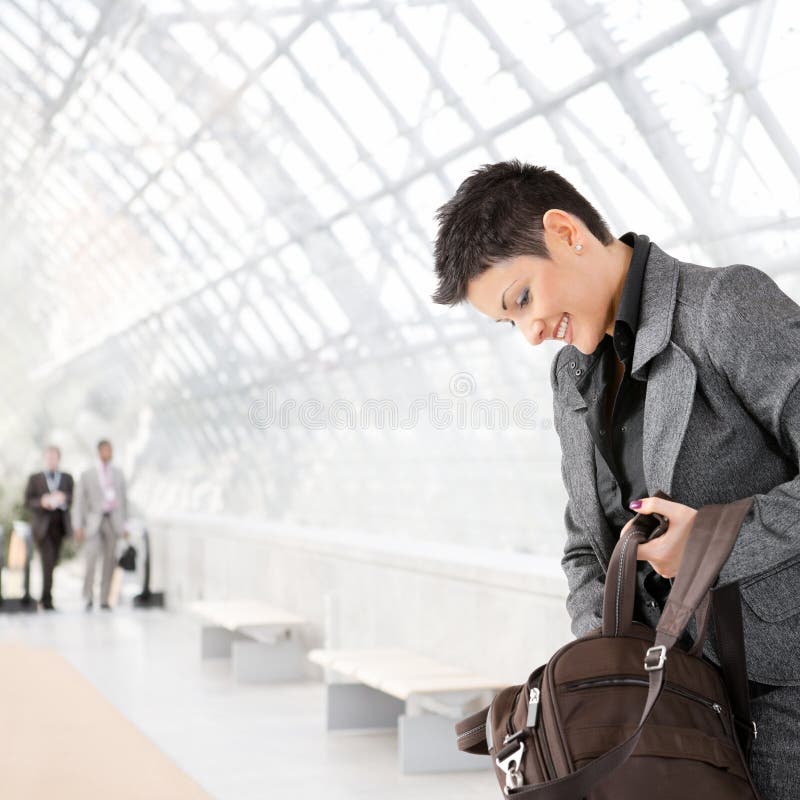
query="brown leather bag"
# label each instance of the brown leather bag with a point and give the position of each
(624, 712)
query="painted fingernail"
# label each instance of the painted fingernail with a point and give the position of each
(635, 504)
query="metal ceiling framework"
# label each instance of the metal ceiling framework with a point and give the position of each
(205, 198)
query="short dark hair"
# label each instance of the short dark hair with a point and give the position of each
(103, 442)
(496, 214)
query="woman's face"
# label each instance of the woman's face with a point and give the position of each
(538, 294)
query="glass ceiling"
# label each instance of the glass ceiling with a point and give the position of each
(208, 204)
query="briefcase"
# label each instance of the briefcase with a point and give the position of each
(128, 559)
(624, 712)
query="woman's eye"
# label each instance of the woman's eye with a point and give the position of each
(523, 299)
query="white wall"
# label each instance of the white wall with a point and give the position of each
(496, 613)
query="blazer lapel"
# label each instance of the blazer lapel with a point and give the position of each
(667, 408)
(656, 310)
(97, 485)
(670, 374)
(671, 377)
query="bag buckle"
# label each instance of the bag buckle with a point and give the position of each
(510, 765)
(659, 651)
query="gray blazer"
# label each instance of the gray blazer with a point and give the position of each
(720, 351)
(87, 502)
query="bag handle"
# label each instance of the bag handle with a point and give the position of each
(724, 603)
(620, 586)
(619, 592)
(711, 539)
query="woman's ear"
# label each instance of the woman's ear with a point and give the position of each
(560, 226)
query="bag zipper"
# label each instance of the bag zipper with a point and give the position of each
(480, 727)
(532, 723)
(510, 720)
(669, 687)
(544, 750)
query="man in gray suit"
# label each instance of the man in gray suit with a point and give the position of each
(674, 377)
(100, 511)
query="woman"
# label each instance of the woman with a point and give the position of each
(674, 377)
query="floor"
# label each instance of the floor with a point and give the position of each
(238, 742)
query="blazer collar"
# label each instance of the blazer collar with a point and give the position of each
(657, 309)
(656, 312)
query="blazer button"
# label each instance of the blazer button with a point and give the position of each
(651, 603)
(572, 365)
(578, 371)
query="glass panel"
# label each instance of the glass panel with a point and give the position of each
(220, 197)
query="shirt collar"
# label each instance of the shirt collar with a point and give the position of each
(628, 310)
(659, 291)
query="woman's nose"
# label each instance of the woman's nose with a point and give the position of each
(536, 332)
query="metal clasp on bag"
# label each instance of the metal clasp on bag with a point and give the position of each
(661, 650)
(511, 763)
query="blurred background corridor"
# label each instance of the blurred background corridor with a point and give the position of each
(217, 221)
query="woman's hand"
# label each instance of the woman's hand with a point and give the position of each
(666, 551)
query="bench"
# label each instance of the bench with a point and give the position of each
(261, 640)
(421, 697)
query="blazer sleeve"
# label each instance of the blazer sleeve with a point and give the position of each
(123, 491)
(33, 499)
(753, 333)
(585, 575)
(69, 487)
(79, 503)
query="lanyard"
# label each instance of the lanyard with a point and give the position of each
(52, 485)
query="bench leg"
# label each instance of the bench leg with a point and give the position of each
(427, 743)
(215, 642)
(355, 706)
(266, 662)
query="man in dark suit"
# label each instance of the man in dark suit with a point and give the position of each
(49, 496)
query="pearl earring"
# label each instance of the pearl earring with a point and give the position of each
(579, 247)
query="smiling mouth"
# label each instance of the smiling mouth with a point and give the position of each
(561, 328)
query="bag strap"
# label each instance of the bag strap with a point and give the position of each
(727, 614)
(708, 546)
(709, 543)
(701, 615)
(725, 604)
